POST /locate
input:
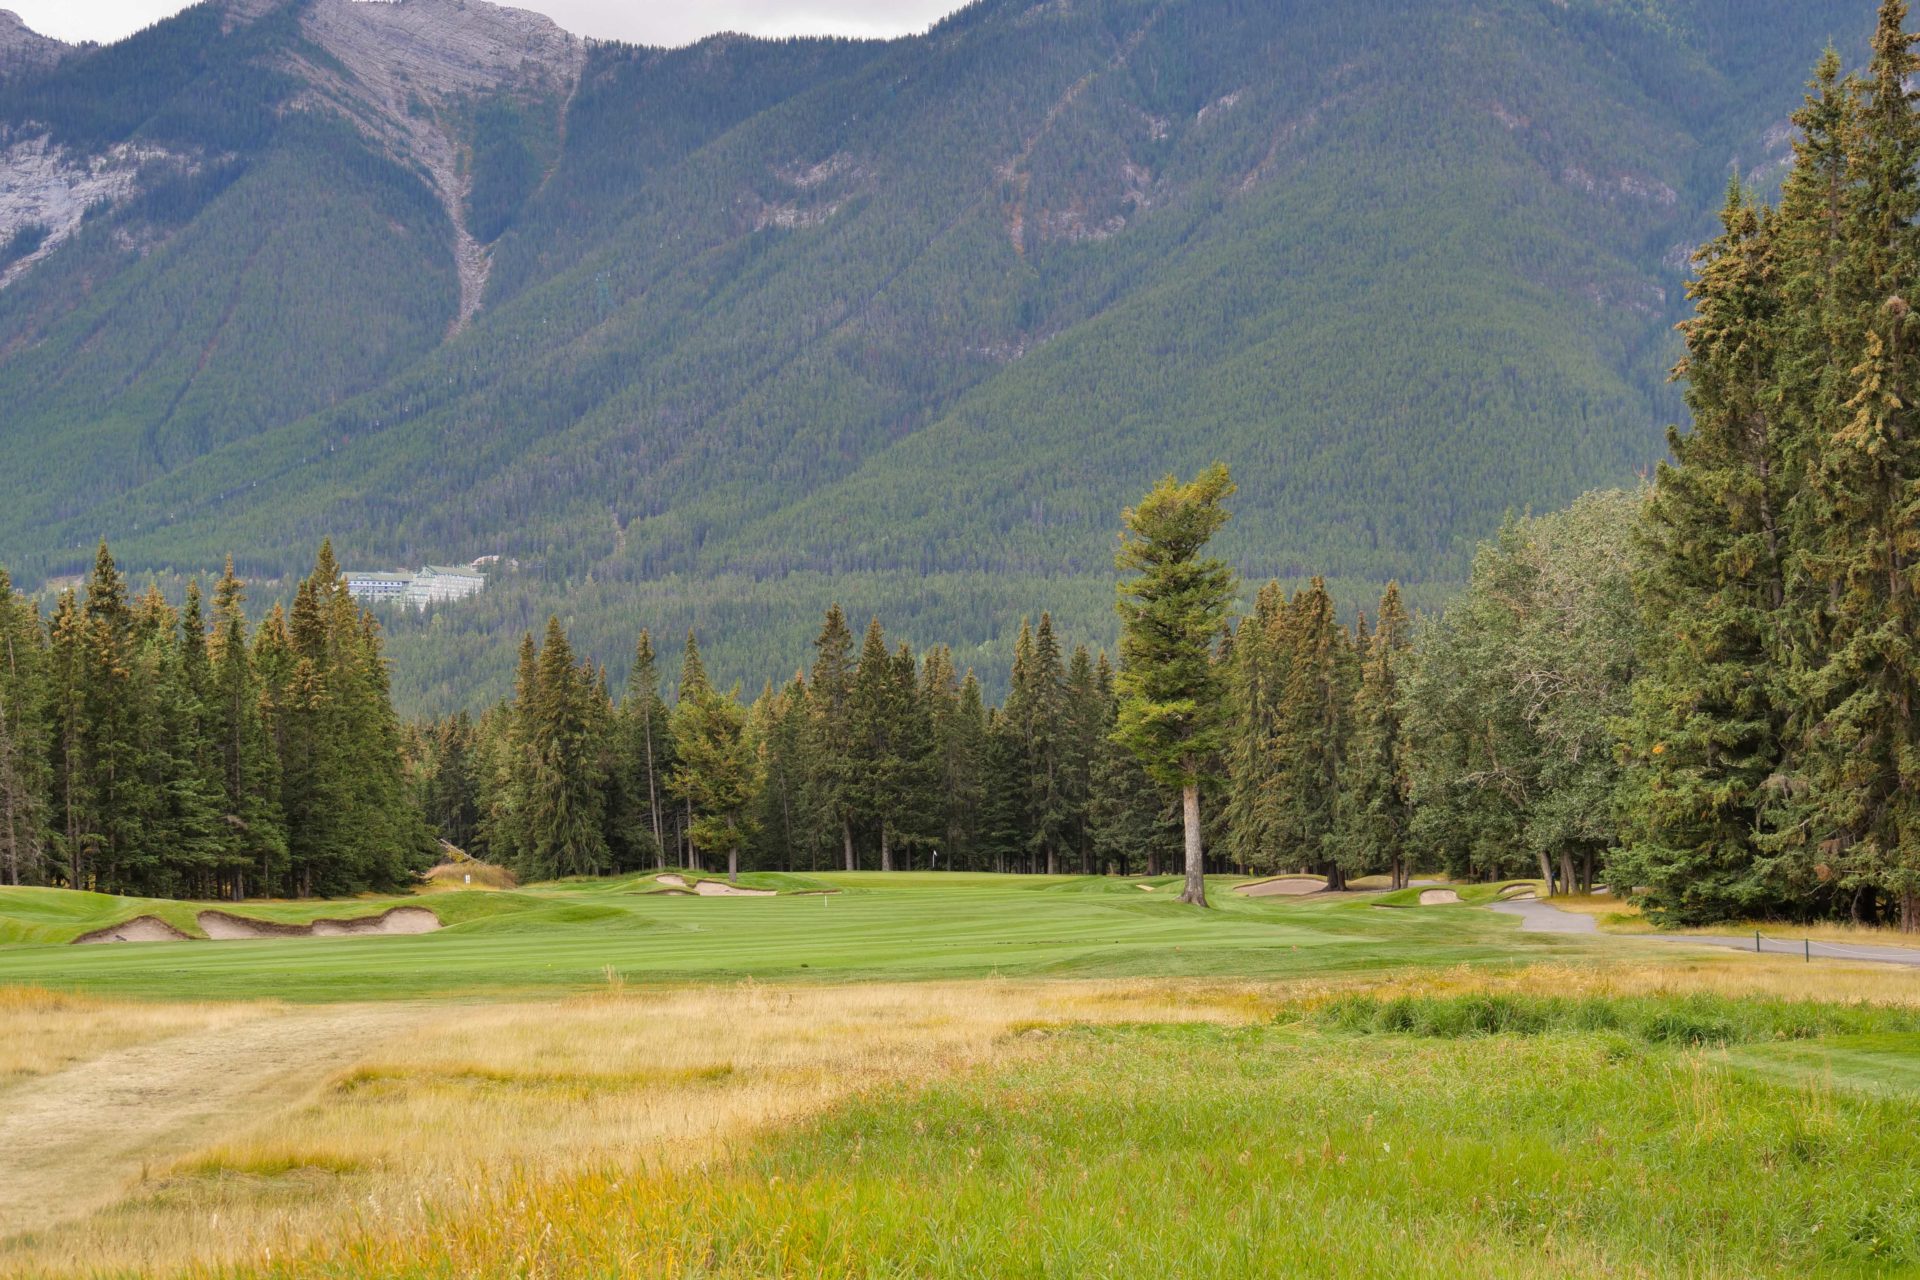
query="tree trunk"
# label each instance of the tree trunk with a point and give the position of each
(653, 800)
(733, 864)
(1053, 861)
(1546, 872)
(1566, 872)
(886, 848)
(1196, 887)
(846, 836)
(1909, 911)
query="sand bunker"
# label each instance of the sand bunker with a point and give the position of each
(138, 929)
(715, 889)
(1285, 887)
(1438, 897)
(1147, 887)
(222, 927)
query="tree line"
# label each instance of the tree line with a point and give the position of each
(176, 752)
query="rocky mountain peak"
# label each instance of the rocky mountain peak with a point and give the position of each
(22, 48)
(404, 68)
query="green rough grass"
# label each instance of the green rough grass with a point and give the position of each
(1288, 1150)
(903, 926)
(1689, 1020)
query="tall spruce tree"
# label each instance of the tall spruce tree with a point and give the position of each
(1864, 548)
(561, 830)
(647, 744)
(1708, 728)
(249, 768)
(716, 774)
(25, 744)
(831, 737)
(1377, 808)
(1300, 798)
(1171, 692)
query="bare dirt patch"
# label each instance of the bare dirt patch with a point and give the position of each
(1284, 887)
(138, 929)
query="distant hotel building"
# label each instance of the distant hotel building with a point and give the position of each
(435, 584)
(369, 588)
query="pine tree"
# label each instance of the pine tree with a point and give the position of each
(777, 722)
(1171, 692)
(1864, 547)
(73, 796)
(1001, 835)
(1036, 705)
(109, 730)
(831, 739)
(196, 856)
(1300, 800)
(1377, 802)
(647, 749)
(1083, 726)
(560, 823)
(248, 767)
(25, 744)
(716, 774)
(1708, 729)
(962, 748)
(1255, 676)
(1131, 818)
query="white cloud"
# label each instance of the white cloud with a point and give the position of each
(644, 21)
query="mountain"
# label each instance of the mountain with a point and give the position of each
(713, 335)
(23, 49)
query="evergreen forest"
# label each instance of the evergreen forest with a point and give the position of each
(1701, 691)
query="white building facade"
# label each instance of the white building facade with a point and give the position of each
(434, 584)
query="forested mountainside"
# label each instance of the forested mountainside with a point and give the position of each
(717, 334)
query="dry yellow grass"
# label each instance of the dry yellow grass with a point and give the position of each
(467, 1106)
(1729, 973)
(472, 1099)
(47, 1030)
(471, 874)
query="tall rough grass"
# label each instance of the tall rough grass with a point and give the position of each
(1211, 1151)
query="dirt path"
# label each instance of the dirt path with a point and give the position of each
(77, 1140)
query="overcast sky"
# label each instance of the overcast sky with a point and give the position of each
(645, 21)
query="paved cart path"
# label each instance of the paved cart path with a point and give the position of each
(1544, 917)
